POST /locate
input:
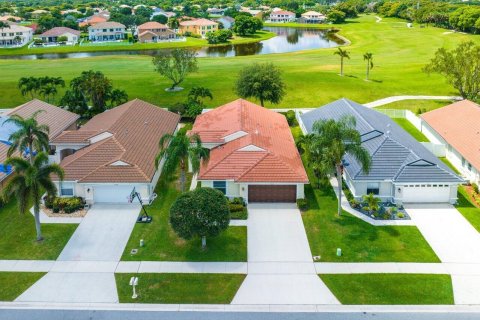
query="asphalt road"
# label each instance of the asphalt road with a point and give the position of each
(35, 314)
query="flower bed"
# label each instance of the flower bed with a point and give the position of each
(238, 209)
(59, 205)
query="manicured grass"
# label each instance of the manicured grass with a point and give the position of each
(14, 284)
(180, 288)
(17, 236)
(449, 164)
(467, 209)
(390, 289)
(162, 243)
(119, 46)
(410, 128)
(311, 76)
(415, 105)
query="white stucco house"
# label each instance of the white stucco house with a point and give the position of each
(15, 35)
(113, 153)
(402, 169)
(107, 31)
(252, 154)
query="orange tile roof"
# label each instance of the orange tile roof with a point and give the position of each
(152, 25)
(264, 151)
(459, 125)
(198, 22)
(135, 127)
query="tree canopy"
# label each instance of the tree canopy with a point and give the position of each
(176, 64)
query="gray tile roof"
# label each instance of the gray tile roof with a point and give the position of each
(396, 155)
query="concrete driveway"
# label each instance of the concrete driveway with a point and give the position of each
(454, 240)
(102, 235)
(280, 265)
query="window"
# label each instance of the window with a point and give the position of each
(220, 185)
(373, 187)
(66, 189)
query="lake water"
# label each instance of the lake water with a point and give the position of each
(287, 40)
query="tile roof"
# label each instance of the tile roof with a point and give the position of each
(282, 12)
(396, 155)
(152, 25)
(254, 145)
(459, 125)
(58, 31)
(198, 22)
(128, 134)
(106, 25)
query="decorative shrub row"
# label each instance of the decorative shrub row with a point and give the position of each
(66, 205)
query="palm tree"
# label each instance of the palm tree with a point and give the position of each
(47, 91)
(30, 135)
(29, 182)
(199, 92)
(343, 54)
(330, 142)
(28, 85)
(177, 150)
(369, 58)
(372, 202)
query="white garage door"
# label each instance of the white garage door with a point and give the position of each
(426, 193)
(111, 194)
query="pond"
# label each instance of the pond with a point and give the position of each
(286, 40)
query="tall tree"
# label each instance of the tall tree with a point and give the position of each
(461, 68)
(175, 65)
(368, 57)
(330, 141)
(30, 135)
(177, 150)
(29, 86)
(30, 181)
(261, 81)
(343, 54)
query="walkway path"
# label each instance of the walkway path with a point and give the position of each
(388, 100)
(96, 246)
(280, 266)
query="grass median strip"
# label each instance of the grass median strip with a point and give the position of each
(14, 284)
(390, 289)
(180, 288)
(410, 128)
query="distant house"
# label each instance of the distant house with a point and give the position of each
(10, 18)
(282, 16)
(402, 169)
(457, 126)
(90, 21)
(226, 21)
(15, 35)
(107, 31)
(154, 32)
(215, 11)
(52, 35)
(255, 13)
(70, 11)
(198, 26)
(38, 13)
(312, 17)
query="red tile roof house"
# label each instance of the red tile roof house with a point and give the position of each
(55, 118)
(253, 154)
(114, 152)
(457, 126)
(52, 35)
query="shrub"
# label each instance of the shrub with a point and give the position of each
(235, 207)
(302, 204)
(290, 115)
(67, 205)
(401, 215)
(238, 200)
(354, 203)
(475, 187)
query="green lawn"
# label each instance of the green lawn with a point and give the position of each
(119, 46)
(415, 105)
(161, 242)
(390, 289)
(17, 236)
(14, 284)
(449, 164)
(311, 76)
(467, 209)
(180, 288)
(410, 128)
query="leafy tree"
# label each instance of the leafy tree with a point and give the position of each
(368, 57)
(336, 16)
(219, 36)
(144, 12)
(342, 54)
(75, 101)
(201, 213)
(30, 181)
(4, 24)
(461, 68)
(261, 81)
(30, 135)
(160, 18)
(117, 97)
(47, 22)
(173, 23)
(177, 150)
(245, 25)
(176, 64)
(330, 141)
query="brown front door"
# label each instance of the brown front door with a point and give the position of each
(272, 193)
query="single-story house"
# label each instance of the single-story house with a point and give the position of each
(114, 152)
(255, 13)
(10, 18)
(107, 31)
(402, 169)
(252, 153)
(282, 16)
(312, 17)
(57, 119)
(457, 126)
(52, 35)
(154, 32)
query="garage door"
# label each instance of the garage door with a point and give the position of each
(272, 193)
(426, 193)
(111, 194)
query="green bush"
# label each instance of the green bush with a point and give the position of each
(67, 205)
(302, 204)
(235, 207)
(401, 215)
(475, 187)
(290, 115)
(238, 200)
